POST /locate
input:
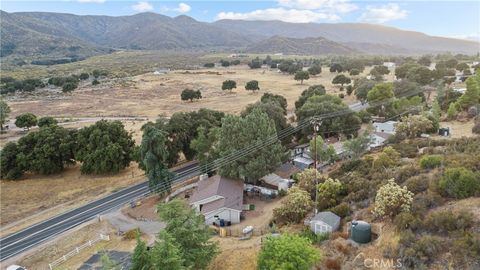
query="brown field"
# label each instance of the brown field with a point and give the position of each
(24, 198)
(150, 95)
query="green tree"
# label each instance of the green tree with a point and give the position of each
(252, 85)
(324, 152)
(313, 90)
(341, 79)
(402, 71)
(272, 109)
(425, 60)
(107, 263)
(205, 146)
(239, 132)
(47, 150)
(26, 120)
(421, 75)
(413, 126)
(209, 65)
(460, 183)
(190, 232)
(9, 167)
(104, 147)
(347, 123)
(315, 69)
(287, 252)
(4, 112)
(69, 87)
(362, 86)
(382, 70)
(153, 153)
(229, 85)
(329, 193)
(306, 181)
(84, 76)
(336, 67)
(280, 100)
(301, 76)
(380, 93)
(189, 94)
(295, 206)
(357, 146)
(354, 72)
(141, 259)
(166, 253)
(255, 63)
(462, 67)
(47, 121)
(471, 95)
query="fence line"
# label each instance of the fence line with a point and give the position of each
(77, 250)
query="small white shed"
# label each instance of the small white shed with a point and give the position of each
(325, 222)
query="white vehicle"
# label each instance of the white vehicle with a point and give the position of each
(16, 267)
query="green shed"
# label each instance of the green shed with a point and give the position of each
(361, 232)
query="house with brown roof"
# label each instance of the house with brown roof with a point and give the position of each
(218, 198)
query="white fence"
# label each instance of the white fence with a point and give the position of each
(77, 250)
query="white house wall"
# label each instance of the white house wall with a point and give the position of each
(223, 213)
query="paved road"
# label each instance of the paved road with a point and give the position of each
(25, 239)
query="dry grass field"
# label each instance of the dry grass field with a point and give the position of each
(24, 198)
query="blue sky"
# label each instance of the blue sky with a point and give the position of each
(443, 18)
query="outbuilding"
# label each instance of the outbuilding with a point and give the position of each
(325, 222)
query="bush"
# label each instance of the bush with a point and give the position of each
(294, 208)
(365, 116)
(418, 183)
(405, 221)
(341, 95)
(341, 210)
(333, 263)
(132, 234)
(209, 65)
(69, 87)
(314, 238)
(95, 82)
(460, 183)
(431, 161)
(392, 199)
(447, 221)
(287, 252)
(425, 201)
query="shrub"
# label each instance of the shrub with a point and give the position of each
(447, 221)
(329, 193)
(392, 199)
(460, 183)
(209, 65)
(296, 205)
(431, 161)
(287, 252)
(341, 95)
(365, 116)
(405, 221)
(95, 82)
(69, 87)
(314, 238)
(132, 234)
(418, 183)
(341, 210)
(424, 201)
(333, 263)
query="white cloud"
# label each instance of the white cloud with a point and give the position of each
(282, 14)
(382, 14)
(142, 6)
(183, 8)
(91, 1)
(332, 6)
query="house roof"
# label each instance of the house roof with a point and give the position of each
(383, 135)
(303, 160)
(286, 170)
(273, 179)
(230, 193)
(327, 217)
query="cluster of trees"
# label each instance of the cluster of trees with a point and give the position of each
(11, 85)
(249, 86)
(470, 100)
(314, 102)
(189, 94)
(105, 147)
(68, 83)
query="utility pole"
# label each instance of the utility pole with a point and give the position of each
(316, 122)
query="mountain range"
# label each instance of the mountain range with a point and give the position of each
(45, 34)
